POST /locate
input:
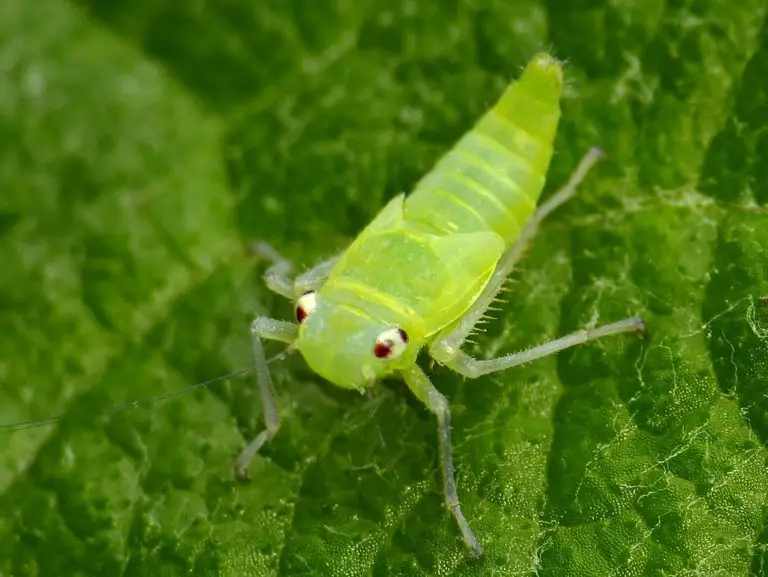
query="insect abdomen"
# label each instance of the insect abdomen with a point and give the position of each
(492, 178)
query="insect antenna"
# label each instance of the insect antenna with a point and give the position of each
(373, 405)
(130, 405)
(282, 354)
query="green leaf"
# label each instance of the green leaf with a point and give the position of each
(144, 144)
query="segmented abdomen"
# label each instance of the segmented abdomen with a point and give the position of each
(492, 178)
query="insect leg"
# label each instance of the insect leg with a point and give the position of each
(425, 391)
(278, 275)
(447, 344)
(273, 329)
(314, 277)
(469, 367)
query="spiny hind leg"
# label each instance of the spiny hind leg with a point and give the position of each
(272, 329)
(470, 367)
(426, 392)
(278, 276)
(448, 343)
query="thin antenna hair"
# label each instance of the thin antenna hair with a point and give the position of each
(373, 405)
(24, 425)
(282, 354)
(47, 421)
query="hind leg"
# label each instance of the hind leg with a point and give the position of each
(448, 343)
(470, 367)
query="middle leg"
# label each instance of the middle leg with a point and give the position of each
(426, 392)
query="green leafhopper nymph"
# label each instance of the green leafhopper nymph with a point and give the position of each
(423, 273)
(426, 269)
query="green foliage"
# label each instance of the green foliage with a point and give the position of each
(142, 146)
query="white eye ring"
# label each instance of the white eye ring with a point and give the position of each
(390, 344)
(305, 306)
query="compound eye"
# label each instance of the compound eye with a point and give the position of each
(390, 344)
(305, 306)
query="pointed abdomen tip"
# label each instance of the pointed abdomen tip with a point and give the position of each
(543, 78)
(548, 67)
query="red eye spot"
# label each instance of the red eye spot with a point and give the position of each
(383, 350)
(305, 306)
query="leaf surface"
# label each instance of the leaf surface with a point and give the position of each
(145, 144)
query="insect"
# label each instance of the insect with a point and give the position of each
(425, 270)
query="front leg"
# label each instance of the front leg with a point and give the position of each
(273, 329)
(425, 391)
(278, 276)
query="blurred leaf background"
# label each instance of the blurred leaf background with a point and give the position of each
(144, 144)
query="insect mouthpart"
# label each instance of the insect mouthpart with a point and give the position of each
(369, 375)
